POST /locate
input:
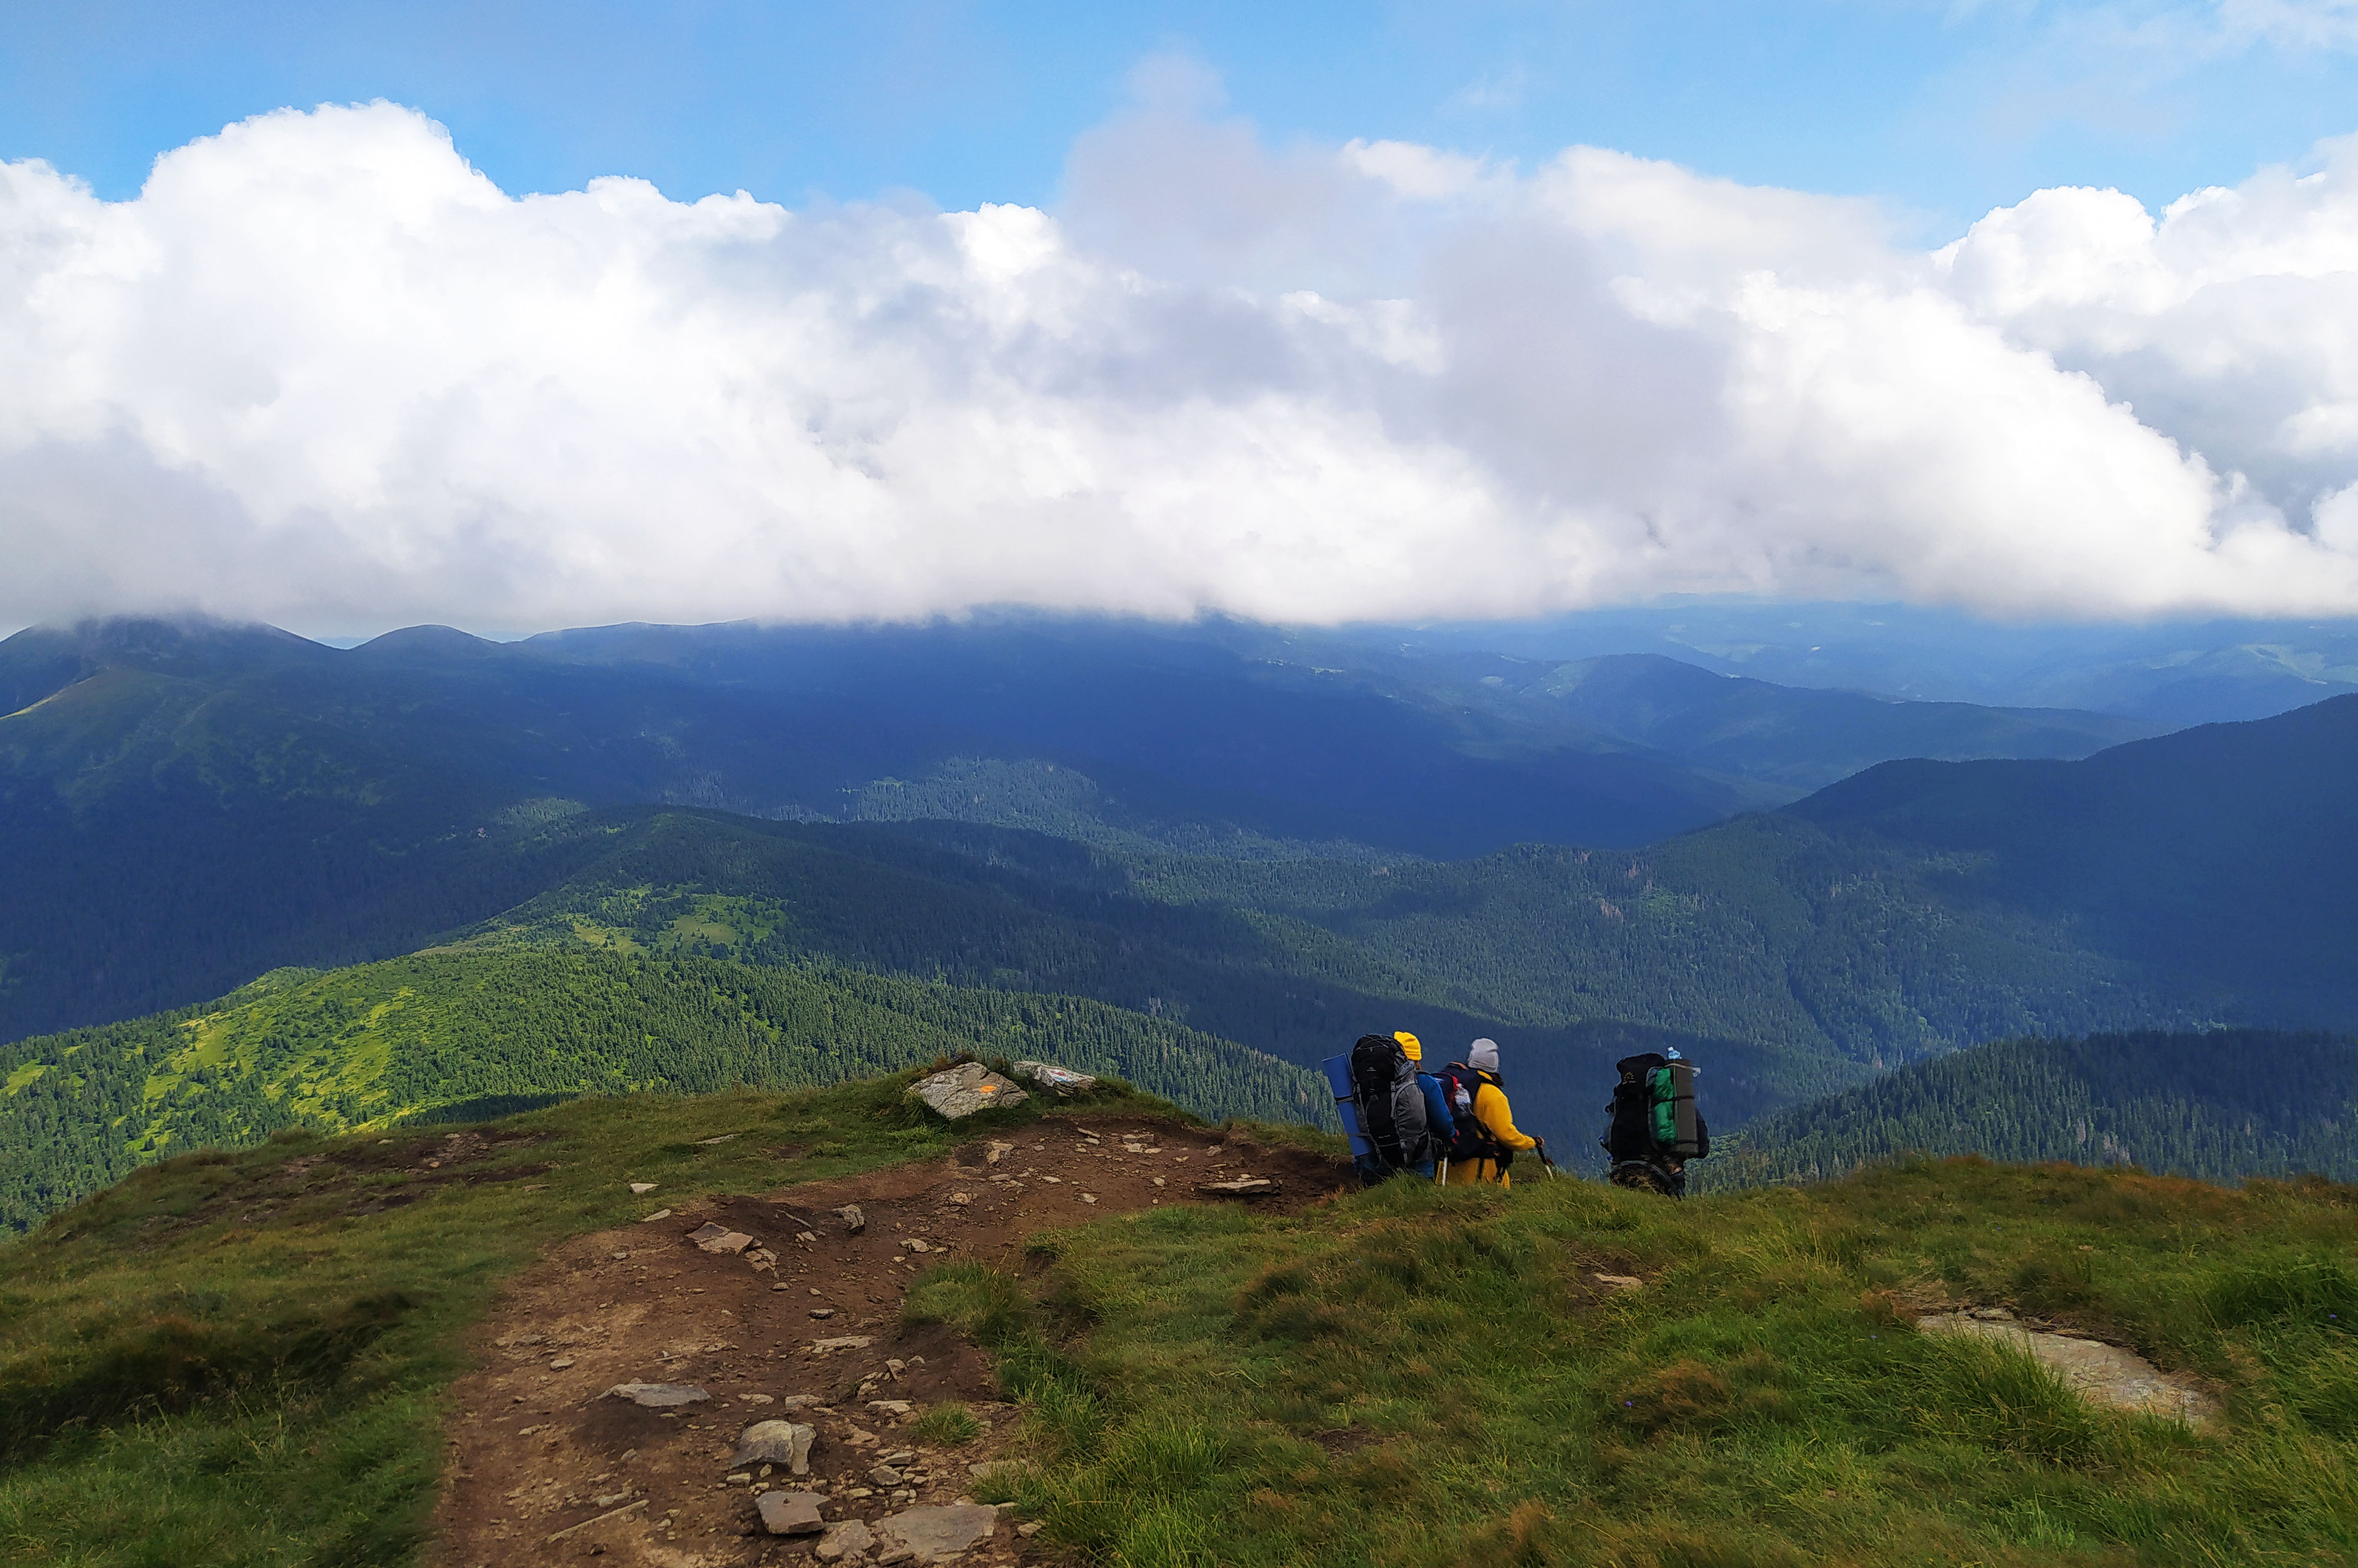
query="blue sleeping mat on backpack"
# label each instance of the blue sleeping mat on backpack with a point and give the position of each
(1346, 1106)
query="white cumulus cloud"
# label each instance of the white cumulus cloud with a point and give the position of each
(322, 371)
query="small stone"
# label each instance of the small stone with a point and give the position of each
(659, 1214)
(755, 1399)
(890, 1407)
(997, 1151)
(739, 1479)
(1158, 1181)
(818, 1312)
(1992, 1315)
(805, 1237)
(1028, 1530)
(853, 1220)
(791, 1513)
(916, 1246)
(561, 1363)
(846, 1342)
(991, 1468)
(885, 1476)
(938, 1531)
(642, 1186)
(961, 1199)
(848, 1538)
(656, 1396)
(618, 1256)
(1088, 1198)
(1620, 1282)
(786, 1443)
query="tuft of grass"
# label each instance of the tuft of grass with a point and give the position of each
(947, 1423)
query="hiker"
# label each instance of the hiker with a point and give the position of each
(1440, 1127)
(1383, 1108)
(1488, 1138)
(1656, 1126)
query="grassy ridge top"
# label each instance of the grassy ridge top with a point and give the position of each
(235, 1359)
(367, 1046)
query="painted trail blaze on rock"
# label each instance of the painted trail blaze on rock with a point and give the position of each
(962, 1091)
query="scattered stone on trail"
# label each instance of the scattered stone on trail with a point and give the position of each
(2100, 1373)
(914, 1245)
(659, 1214)
(891, 1407)
(818, 1312)
(806, 1237)
(791, 1513)
(756, 1399)
(961, 1199)
(962, 1091)
(1057, 1080)
(997, 1152)
(800, 1401)
(642, 1186)
(1620, 1281)
(1028, 1529)
(939, 1530)
(848, 1342)
(601, 1519)
(561, 1363)
(991, 1468)
(720, 1239)
(1241, 1187)
(786, 1443)
(884, 1476)
(656, 1396)
(845, 1539)
(722, 1139)
(1991, 1314)
(853, 1220)
(1088, 1198)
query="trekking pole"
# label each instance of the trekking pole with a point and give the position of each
(1546, 1164)
(1443, 1179)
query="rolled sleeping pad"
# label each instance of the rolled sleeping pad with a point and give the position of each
(1347, 1105)
(1683, 1143)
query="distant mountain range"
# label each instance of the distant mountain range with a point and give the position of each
(1222, 829)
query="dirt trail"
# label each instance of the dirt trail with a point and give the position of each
(541, 1469)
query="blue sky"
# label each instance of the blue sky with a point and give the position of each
(1941, 110)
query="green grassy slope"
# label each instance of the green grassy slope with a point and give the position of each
(234, 1359)
(369, 1047)
(1417, 1378)
(2220, 1106)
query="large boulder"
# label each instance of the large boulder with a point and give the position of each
(962, 1091)
(1056, 1080)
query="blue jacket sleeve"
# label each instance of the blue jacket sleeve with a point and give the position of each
(1436, 1108)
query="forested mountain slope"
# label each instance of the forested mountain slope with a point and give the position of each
(2220, 860)
(369, 1047)
(2219, 1106)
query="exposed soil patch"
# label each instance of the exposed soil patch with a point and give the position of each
(536, 1451)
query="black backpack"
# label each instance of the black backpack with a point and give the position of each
(1459, 1086)
(1391, 1107)
(1653, 1111)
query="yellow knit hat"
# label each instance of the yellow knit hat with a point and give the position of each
(1410, 1044)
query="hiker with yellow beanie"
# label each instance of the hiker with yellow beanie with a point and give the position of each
(1486, 1137)
(1437, 1120)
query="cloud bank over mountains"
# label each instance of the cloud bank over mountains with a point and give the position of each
(323, 373)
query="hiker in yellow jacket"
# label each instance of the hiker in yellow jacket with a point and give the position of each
(1494, 1135)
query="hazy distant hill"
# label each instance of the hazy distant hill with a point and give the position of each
(2221, 1106)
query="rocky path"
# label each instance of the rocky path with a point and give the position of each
(725, 1314)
